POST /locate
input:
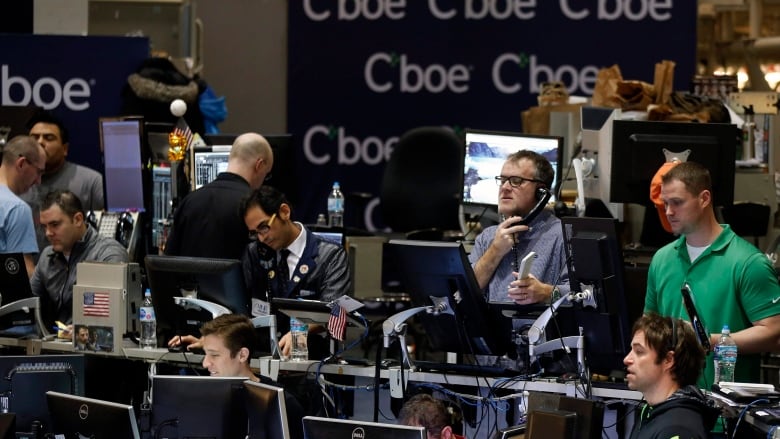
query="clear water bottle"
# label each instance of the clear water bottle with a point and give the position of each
(336, 206)
(725, 356)
(299, 332)
(148, 322)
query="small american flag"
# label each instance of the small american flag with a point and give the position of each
(183, 129)
(337, 322)
(97, 304)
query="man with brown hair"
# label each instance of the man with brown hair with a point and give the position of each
(423, 410)
(665, 361)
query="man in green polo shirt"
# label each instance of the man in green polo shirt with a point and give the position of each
(731, 281)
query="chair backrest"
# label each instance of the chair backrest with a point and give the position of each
(747, 219)
(423, 181)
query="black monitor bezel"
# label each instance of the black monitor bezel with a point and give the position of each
(612, 316)
(266, 407)
(204, 400)
(75, 415)
(160, 273)
(475, 328)
(315, 427)
(637, 155)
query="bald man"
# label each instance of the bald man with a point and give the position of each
(207, 222)
(23, 164)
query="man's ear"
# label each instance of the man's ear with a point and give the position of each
(243, 355)
(284, 211)
(446, 433)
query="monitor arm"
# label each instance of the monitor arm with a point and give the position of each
(26, 305)
(395, 325)
(537, 329)
(268, 321)
(215, 309)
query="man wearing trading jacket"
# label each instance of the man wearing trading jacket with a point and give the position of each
(287, 260)
(665, 361)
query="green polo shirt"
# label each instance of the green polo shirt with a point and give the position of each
(732, 283)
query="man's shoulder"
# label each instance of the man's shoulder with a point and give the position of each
(84, 171)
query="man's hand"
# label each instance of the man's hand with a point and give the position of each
(285, 345)
(529, 290)
(505, 234)
(190, 341)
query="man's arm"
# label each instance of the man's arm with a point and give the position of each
(500, 245)
(763, 336)
(337, 280)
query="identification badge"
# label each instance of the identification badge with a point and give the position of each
(260, 308)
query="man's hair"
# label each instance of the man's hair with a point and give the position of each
(425, 411)
(544, 170)
(66, 200)
(21, 146)
(664, 334)
(236, 331)
(266, 198)
(694, 176)
(46, 117)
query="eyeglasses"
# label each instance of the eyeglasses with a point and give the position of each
(40, 170)
(514, 180)
(262, 229)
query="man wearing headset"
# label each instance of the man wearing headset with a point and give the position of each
(665, 361)
(525, 177)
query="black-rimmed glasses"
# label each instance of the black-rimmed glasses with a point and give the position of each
(514, 181)
(262, 229)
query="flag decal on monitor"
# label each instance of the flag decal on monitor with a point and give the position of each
(97, 304)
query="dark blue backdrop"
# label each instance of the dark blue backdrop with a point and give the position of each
(79, 79)
(361, 72)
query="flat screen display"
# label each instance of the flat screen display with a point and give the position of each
(486, 152)
(120, 141)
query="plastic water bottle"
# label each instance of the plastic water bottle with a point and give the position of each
(148, 322)
(336, 206)
(725, 356)
(300, 332)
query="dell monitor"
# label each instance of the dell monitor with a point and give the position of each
(26, 378)
(219, 281)
(327, 428)
(595, 260)
(486, 152)
(198, 406)
(75, 417)
(433, 270)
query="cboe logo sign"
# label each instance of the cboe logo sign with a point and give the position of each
(46, 92)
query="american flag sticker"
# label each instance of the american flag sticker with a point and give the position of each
(97, 304)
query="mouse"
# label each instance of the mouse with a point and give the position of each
(388, 362)
(177, 348)
(568, 376)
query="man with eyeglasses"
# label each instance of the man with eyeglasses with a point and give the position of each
(87, 184)
(23, 164)
(207, 222)
(287, 260)
(499, 249)
(72, 240)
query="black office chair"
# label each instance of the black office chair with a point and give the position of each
(422, 184)
(747, 219)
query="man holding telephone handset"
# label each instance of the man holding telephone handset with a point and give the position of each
(523, 192)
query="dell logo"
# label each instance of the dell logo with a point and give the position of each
(46, 92)
(358, 433)
(84, 411)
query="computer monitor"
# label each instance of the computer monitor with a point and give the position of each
(120, 143)
(14, 286)
(327, 428)
(219, 281)
(595, 262)
(434, 270)
(213, 159)
(638, 152)
(198, 406)
(75, 417)
(486, 152)
(26, 378)
(267, 412)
